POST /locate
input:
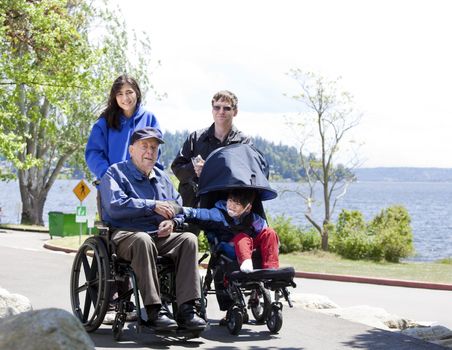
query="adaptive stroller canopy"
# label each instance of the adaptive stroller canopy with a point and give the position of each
(236, 166)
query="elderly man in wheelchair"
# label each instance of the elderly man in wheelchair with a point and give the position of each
(142, 210)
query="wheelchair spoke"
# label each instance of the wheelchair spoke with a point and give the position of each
(81, 288)
(87, 307)
(86, 267)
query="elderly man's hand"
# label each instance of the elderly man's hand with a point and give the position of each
(165, 228)
(164, 209)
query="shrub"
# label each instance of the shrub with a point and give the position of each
(388, 236)
(349, 238)
(289, 234)
(349, 222)
(310, 240)
(392, 233)
(203, 245)
(354, 246)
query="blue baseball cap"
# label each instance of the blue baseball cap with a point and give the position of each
(146, 133)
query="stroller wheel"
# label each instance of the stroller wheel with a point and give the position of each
(246, 318)
(260, 304)
(235, 321)
(274, 321)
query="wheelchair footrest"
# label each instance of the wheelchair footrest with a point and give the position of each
(281, 277)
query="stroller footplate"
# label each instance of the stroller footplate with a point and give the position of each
(272, 278)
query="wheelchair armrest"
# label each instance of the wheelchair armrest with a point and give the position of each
(103, 229)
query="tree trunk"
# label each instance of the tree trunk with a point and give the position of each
(32, 206)
(32, 211)
(325, 240)
(33, 192)
(35, 184)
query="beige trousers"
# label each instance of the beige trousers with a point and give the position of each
(142, 250)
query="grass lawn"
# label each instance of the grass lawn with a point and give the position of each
(69, 242)
(324, 262)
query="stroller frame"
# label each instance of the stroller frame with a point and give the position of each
(256, 286)
(241, 166)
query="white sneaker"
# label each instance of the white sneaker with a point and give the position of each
(131, 316)
(247, 266)
(109, 317)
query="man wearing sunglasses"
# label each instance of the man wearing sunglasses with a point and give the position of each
(188, 164)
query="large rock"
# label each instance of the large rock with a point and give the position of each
(312, 301)
(371, 316)
(375, 317)
(436, 334)
(13, 304)
(50, 329)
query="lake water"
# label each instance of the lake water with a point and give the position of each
(428, 203)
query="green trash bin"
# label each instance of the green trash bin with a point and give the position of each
(56, 223)
(63, 224)
(72, 228)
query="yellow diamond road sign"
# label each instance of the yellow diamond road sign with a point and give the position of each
(81, 190)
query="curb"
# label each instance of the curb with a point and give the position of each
(330, 277)
(373, 280)
(59, 249)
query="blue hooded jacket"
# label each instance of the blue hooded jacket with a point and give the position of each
(107, 146)
(214, 220)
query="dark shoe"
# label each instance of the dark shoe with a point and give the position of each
(187, 318)
(159, 320)
(223, 322)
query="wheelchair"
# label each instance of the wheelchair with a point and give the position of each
(237, 292)
(96, 268)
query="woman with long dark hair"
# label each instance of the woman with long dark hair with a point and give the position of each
(109, 139)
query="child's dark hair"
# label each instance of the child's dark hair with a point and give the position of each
(243, 195)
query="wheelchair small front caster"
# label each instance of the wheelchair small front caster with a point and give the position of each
(118, 325)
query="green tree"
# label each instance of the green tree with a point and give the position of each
(58, 59)
(322, 127)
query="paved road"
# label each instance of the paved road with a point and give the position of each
(43, 276)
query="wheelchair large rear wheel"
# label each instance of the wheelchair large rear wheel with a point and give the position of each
(90, 286)
(260, 303)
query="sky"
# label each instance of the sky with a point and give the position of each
(393, 56)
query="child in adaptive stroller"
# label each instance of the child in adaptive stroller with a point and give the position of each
(238, 231)
(245, 230)
(233, 183)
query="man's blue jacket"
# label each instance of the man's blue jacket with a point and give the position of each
(128, 197)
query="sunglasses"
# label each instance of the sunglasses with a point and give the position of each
(225, 108)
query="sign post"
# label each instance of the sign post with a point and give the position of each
(81, 190)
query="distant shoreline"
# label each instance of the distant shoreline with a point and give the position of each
(402, 174)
